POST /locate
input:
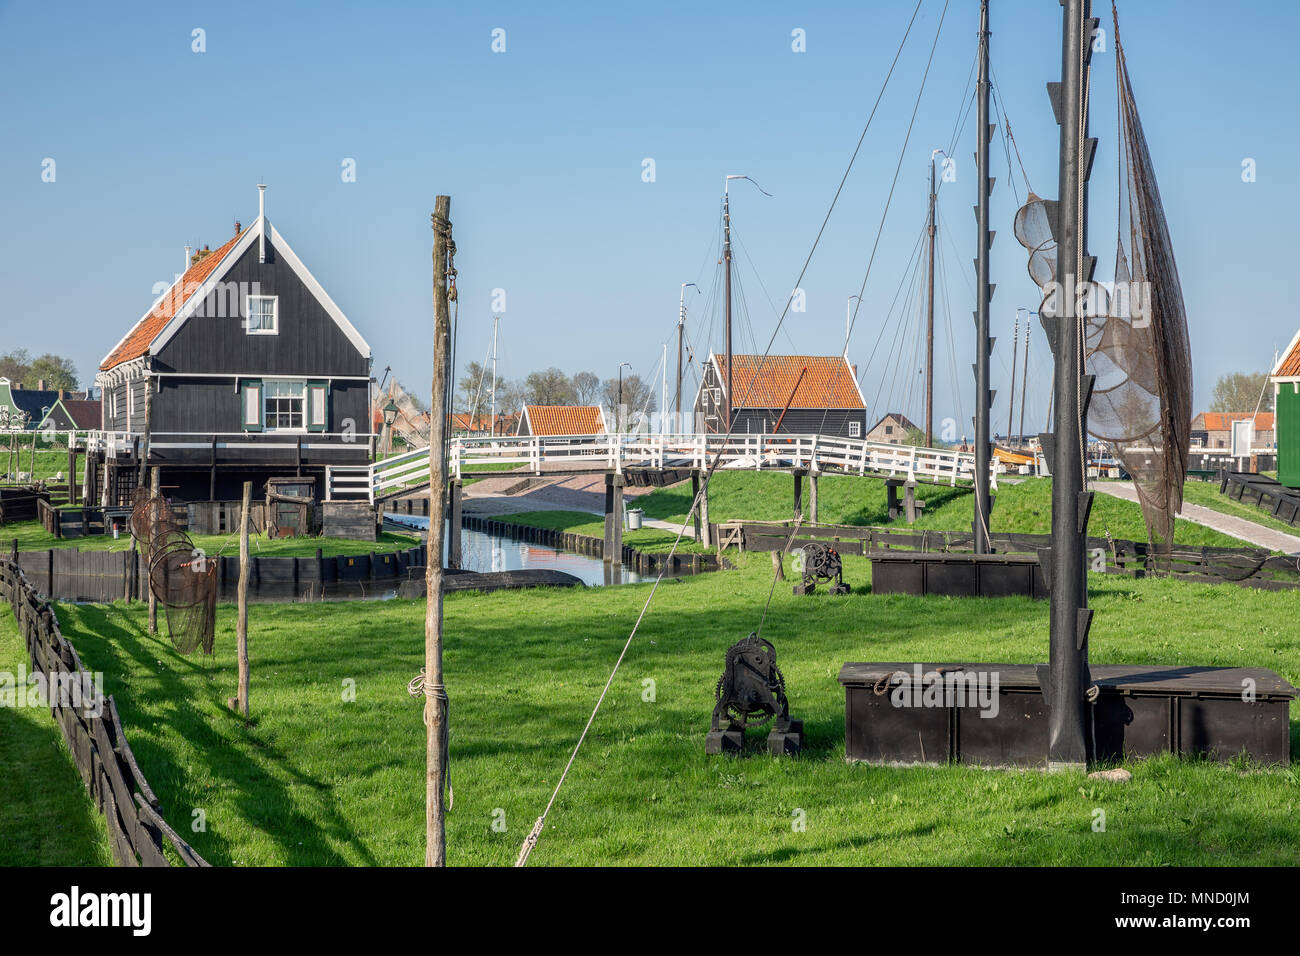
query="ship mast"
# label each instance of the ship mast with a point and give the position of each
(984, 292)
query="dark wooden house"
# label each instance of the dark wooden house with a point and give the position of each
(794, 394)
(245, 369)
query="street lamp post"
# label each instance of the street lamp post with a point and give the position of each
(390, 415)
(618, 412)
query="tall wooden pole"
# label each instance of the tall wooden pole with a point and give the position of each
(1011, 395)
(241, 621)
(1024, 382)
(435, 704)
(726, 258)
(983, 396)
(1068, 739)
(155, 515)
(929, 326)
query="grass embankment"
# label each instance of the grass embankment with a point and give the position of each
(46, 817)
(1206, 494)
(50, 460)
(32, 536)
(318, 779)
(1024, 507)
(649, 540)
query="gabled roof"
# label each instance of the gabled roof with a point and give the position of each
(801, 381)
(1288, 366)
(896, 416)
(35, 402)
(187, 293)
(137, 341)
(1222, 421)
(564, 419)
(84, 413)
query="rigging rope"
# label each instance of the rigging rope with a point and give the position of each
(531, 840)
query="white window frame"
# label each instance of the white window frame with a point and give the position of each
(275, 315)
(267, 385)
(855, 429)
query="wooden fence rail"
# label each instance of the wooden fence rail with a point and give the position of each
(92, 730)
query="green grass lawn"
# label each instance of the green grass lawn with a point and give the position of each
(50, 460)
(1024, 507)
(33, 537)
(316, 778)
(46, 817)
(1206, 494)
(649, 540)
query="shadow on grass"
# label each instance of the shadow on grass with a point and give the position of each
(258, 792)
(45, 814)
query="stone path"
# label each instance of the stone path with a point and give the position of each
(1241, 528)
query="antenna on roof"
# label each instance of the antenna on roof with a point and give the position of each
(261, 221)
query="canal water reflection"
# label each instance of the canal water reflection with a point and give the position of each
(492, 552)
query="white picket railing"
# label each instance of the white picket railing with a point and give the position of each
(617, 453)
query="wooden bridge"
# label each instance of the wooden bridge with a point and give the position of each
(622, 453)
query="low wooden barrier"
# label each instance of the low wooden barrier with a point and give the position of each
(82, 522)
(1252, 567)
(93, 733)
(19, 503)
(67, 574)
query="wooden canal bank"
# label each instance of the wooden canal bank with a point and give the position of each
(93, 733)
(66, 574)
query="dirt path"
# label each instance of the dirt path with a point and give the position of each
(1241, 528)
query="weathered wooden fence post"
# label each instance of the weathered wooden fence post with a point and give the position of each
(241, 620)
(155, 515)
(435, 695)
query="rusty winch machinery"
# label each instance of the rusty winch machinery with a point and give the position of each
(751, 692)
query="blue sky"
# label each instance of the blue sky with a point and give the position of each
(542, 146)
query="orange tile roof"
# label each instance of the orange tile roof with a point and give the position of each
(1222, 421)
(146, 330)
(565, 419)
(827, 383)
(1290, 366)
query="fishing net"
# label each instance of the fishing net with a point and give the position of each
(1139, 349)
(1135, 333)
(181, 577)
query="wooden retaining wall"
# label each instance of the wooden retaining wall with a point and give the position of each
(639, 561)
(1251, 567)
(66, 574)
(93, 734)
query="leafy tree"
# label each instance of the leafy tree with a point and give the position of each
(57, 371)
(1240, 391)
(476, 383)
(550, 387)
(586, 388)
(15, 365)
(638, 397)
(511, 396)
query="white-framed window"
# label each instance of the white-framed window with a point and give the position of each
(263, 313)
(855, 429)
(286, 406)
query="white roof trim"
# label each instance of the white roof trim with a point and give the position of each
(1285, 355)
(281, 246)
(200, 295)
(335, 313)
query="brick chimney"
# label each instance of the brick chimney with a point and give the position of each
(40, 385)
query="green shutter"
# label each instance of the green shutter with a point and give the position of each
(317, 390)
(251, 421)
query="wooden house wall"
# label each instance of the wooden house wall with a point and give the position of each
(308, 343)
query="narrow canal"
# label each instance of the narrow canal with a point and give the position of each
(490, 552)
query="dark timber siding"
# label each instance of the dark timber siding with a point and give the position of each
(309, 343)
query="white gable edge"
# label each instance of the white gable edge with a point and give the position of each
(281, 246)
(1285, 355)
